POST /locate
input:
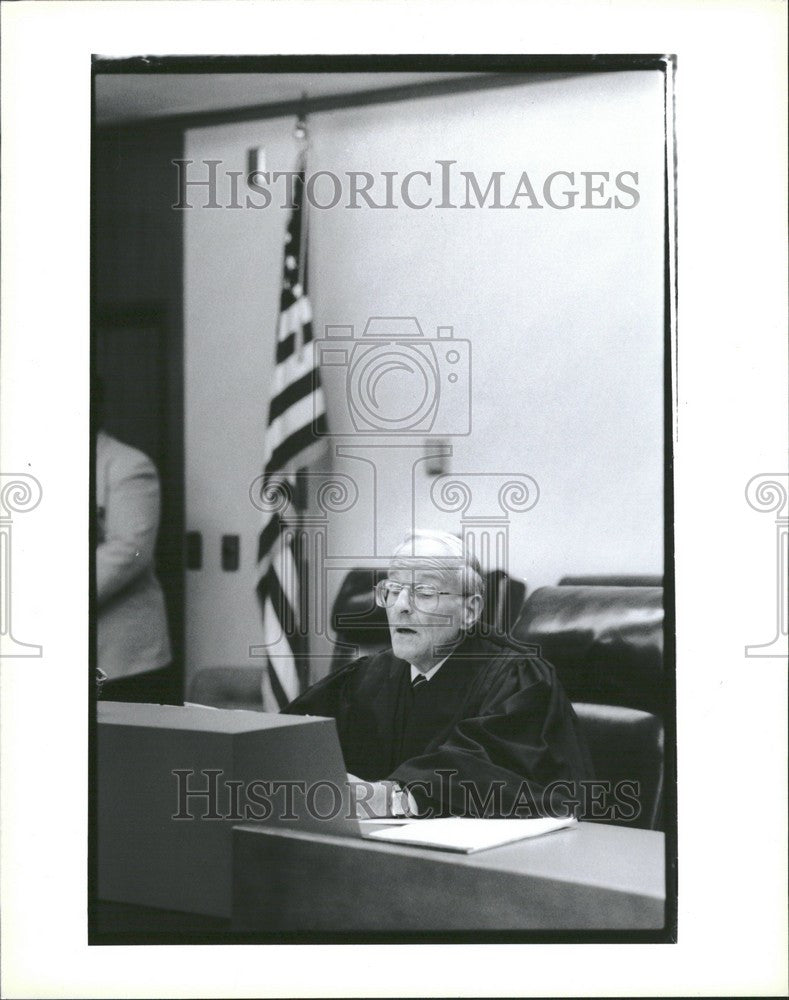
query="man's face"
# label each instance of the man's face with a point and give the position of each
(418, 636)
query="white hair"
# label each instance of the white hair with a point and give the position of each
(461, 558)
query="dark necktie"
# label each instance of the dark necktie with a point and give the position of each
(419, 681)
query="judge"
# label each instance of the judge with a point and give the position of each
(449, 722)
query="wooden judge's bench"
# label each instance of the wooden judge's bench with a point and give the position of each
(590, 877)
(163, 877)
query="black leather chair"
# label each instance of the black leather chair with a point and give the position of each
(359, 625)
(606, 644)
(626, 745)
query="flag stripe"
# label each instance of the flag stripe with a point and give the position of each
(287, 347)
(265, 543)
(293, 368)
(283, 608)
(280, 646)
(291, 447)
(304, 386)
(298, 415)
(279, 693)
(295, 319)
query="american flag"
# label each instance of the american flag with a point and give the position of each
(297, 416)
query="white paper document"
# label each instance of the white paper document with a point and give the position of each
(455, 833)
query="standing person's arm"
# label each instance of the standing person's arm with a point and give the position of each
(131, 524)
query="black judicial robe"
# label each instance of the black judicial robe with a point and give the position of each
(492, 733)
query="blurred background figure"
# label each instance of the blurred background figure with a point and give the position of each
(133, 641)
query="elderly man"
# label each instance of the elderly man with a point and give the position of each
(449, 722)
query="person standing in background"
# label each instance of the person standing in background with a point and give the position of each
(132, 637)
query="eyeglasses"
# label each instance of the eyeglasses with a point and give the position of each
(421, 596)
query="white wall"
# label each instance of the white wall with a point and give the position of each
(563, 310)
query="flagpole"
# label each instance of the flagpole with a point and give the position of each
(300, 490)
(301, 134)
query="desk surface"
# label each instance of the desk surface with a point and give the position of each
(590, 877)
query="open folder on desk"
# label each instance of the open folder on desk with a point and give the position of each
(456, 833)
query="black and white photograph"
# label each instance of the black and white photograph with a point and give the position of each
(393, 499)
(381, 392)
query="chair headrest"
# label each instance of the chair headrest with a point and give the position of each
(614, 580)
(605, 642)
(504, 596)
(355, 616)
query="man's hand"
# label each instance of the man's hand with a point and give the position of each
(379, 799)
(371, 799)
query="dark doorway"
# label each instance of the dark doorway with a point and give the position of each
(137, 345)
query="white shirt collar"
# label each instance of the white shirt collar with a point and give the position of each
(415, 671)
